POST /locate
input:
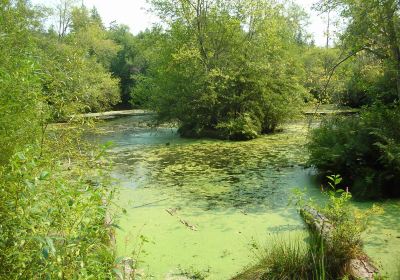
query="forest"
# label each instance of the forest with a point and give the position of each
(240, 110)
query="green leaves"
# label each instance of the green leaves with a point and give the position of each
(44, 175)
(334, 181)
(219, 79)
(54, 225)
(363, 148)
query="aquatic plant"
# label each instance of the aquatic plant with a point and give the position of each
(318, 258)
(289, 259)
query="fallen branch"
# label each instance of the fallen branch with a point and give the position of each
(188, 225)
(150, 203)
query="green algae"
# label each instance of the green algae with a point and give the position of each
(382, 237)
(203, 204)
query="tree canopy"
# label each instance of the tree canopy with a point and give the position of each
(225, 69)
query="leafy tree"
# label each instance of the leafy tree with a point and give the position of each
(373, 27)
(88, 33)
(52, 218)
(74, 68)
(20, 107)
(317, 62)
(73, 82)
(225, 69)
(63, 14)
(129, 63)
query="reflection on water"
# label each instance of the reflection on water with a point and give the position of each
(203, 204)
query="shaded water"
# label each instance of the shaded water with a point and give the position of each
(203, 205)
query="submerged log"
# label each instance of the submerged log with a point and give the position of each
(358, 268)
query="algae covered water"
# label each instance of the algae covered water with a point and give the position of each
(202, 208)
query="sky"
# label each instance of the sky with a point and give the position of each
(134, 14)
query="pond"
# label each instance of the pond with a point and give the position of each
(205, 206)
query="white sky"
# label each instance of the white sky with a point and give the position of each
(133, 13)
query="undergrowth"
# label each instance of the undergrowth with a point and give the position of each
(319, 256)
(52, 214)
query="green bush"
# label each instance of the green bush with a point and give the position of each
(365, 149)
(222, 81)
(52, 221)
(52, 218)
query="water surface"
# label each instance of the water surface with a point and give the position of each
(204, 205)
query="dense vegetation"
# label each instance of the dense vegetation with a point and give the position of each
(224, 69)
(320, 257)
(52, 214)
(365, 148)
(203, 78)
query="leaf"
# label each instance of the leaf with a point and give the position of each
(44, 175)
(29, 184)
(45, 253)
(338, 179)
(21, 156)
(50, 243)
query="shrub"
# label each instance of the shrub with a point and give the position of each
(365, 149)
(52, 221)
(224, 82)
(320, 257)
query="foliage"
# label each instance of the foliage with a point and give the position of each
(89, 34)
(52, 220)
(74, 68)
(373, 28)
(345, 240)
(20, 106)
(365, 149)
(73, 82)
(317, 64)
(219, 78)
(319, 257)
(52, 215)
(365, 82)
(130, 62)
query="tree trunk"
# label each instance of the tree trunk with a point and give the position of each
(398, 72)
(394, 42)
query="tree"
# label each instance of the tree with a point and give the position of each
(20, 102)
(63, 13)
(373, 27)
(74, 70)
(129, 62)
(88, 32)
(52, 219)
(224, 69)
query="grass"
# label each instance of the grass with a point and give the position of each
(293, 259)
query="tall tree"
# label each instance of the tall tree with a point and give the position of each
(63, 13)
(373, 27)
(225, 68)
